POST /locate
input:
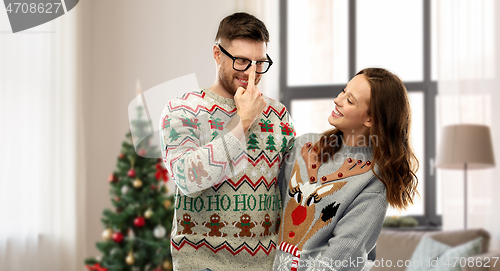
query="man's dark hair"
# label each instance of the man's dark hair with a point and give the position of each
(242, 25)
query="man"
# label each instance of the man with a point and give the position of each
(223, 146)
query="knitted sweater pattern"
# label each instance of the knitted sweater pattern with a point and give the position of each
(227, 204)
(332, 211)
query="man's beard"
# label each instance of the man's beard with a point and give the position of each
(227, 81)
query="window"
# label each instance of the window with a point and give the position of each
(325, 42)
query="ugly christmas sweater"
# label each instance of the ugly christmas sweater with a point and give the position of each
(332, 211)
(227, 202)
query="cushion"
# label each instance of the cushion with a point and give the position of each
(456, 257)
(428, 249)
(433, 255)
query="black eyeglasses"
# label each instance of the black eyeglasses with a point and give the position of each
(242, 64)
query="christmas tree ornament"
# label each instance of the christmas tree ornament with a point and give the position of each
(121, 156)
(117, 237)
(165, 189)
(148, 213)
(159, 231)
(107, 234)
(137, 183)
(161, 173)
(112, 178)
(167, 204)
(153, 187)
(124, 189)
(131, 234)
(130, 260)
(139, 222)
(167, 265)
(117, 199)
(131, 173)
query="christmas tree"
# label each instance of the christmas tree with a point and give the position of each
(137, 232)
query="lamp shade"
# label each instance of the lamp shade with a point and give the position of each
(465, 143)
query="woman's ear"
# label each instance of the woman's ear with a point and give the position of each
(368, 122)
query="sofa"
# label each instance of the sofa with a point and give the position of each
(396, 247)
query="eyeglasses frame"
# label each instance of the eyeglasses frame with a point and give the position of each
(251, 61)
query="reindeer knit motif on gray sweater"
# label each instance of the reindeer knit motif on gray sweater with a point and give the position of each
(227, 202)
(332, 212)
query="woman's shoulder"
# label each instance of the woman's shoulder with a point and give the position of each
(375, 185)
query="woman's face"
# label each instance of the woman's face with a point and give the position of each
(350, 114)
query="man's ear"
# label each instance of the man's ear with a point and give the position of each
(216, 53)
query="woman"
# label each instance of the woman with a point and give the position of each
(336, 186)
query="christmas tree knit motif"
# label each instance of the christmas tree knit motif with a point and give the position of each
(192, 133)
(283, 145)
(214, 134)
(270, 143)
(253, 144)
(174, 135)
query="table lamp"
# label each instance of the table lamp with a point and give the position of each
(465, 146)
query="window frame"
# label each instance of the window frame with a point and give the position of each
(430, 218)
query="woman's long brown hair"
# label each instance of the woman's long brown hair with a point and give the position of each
(389, 137)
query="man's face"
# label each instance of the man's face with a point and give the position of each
(231, 79)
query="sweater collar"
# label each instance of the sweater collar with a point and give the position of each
(363, 153)
(219, 99)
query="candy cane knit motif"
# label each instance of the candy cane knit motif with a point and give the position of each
(294, 250)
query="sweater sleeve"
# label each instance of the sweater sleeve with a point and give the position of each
(356, 233)
(197, 158)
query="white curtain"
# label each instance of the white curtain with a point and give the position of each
(41, 185)
(468, 38)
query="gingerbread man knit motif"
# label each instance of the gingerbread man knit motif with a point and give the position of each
(227, 202)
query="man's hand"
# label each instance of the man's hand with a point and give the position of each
(249, 102)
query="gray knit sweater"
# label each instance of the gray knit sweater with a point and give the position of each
(332, 212)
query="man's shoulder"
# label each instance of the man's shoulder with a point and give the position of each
(276, 105)
(189, 101)
(189, 96)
